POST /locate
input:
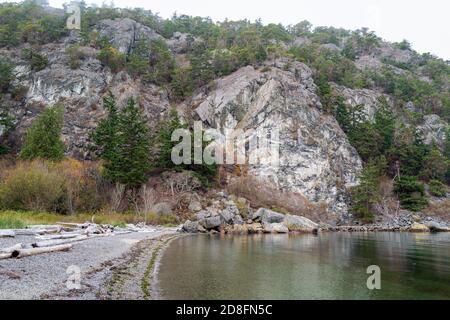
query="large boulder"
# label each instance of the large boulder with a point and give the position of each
(191, 226)
(436, 227)
(275, 228)
(418, 227)
(268, 216)
(300, 224)
(211, 223)
(229, 212)
(195, 205)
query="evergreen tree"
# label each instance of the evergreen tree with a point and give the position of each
(385, 126)
(43, 137)
(131, 161)
(163, 140)
(409, 152)
(105, 137)
(366, 194)
(164, 144)
(435, 165)
(411, 193)
(6, 123)
(6, 74)
(122, 141)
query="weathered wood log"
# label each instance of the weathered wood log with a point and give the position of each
(5, 255)
(75, 225)
(51, 243)
(7, 233)
(45, 226)
(35, 251)
(67, 235)
(11, 249)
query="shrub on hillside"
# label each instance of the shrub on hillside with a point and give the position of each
(112, 58)
(37, 61)
(437, 188)
(31, 186)
(411, 193)
(66, 187)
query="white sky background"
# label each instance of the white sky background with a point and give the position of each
(426, 24)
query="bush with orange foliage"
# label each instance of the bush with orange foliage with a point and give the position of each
(68, 186)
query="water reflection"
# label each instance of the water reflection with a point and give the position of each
(329, 266)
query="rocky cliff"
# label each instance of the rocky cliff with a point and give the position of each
(316, 158)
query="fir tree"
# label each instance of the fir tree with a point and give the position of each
(121, 140)
(385, 126)
(411, 193)
(43, 137)
(105, 137)
(366, 194)
(131, 160)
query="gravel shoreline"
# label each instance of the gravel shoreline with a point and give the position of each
(45, 276)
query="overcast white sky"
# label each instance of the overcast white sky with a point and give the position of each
(424, 23)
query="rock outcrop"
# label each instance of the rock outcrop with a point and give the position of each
(125, 34)
(224, 216)
(316, 159)
(434, 130)
(80, 92)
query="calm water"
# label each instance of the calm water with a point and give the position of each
(329, 266)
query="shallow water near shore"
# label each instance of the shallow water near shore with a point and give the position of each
(327, 266)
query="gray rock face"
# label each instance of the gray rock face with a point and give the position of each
(391, 52)
(80, 92)
(316, 159)
(211, 223)
(229, 212)
(238, 220)
(268, 216)
(368, 98)
(125, 34)
(434, 130)
(195, 205)
(191, 226)
(301, 224)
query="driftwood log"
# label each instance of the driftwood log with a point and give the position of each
(11, 249)
(54, 238)
(35, 251)
(57, 242)
(7, 233)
